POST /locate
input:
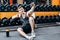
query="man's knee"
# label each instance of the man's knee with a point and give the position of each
(31, 18)
(19, 29)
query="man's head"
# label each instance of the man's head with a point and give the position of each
(21, 9)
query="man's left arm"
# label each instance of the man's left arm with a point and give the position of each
(32, 9)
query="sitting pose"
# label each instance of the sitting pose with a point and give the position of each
(27, 20)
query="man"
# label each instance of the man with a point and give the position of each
(27, 20)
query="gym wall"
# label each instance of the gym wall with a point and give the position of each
(55, 2)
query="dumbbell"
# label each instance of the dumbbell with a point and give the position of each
(8, 7)
(54, 18)
(36, 19)
(14, 7)
(57, 18)
(0, 23)
(49, 7)
(8, 21)
(2, 7)
(58, 7)
(12, 22)
(46, 20)
(41, 8)
(37, 8)
(18, 21)
(50, 19)
(45, 7)
(4, 21)
(54, 8)
(27, 7)
(28, 1)
(15, 21)
(41, 19)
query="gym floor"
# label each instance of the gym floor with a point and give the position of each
(44, 33)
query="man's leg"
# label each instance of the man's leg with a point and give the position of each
(20, 30)
(31, 21)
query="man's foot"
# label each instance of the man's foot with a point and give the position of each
(33, 34)
(30, 38)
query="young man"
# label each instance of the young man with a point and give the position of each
(27, 20)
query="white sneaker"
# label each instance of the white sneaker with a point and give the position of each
(30, 38)
(33, 34)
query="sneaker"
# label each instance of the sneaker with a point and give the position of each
(30, 38)
(33, 34)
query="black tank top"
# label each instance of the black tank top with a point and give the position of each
(25, 21)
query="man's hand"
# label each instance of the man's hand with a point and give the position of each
(32, 4)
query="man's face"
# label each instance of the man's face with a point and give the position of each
(21, 9)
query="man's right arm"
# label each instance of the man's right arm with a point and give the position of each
(16, 16)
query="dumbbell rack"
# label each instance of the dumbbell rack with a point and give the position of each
(14, 28)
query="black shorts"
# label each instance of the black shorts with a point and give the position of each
(27, 29)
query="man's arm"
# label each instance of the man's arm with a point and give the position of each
(32, 9)
(16, 16)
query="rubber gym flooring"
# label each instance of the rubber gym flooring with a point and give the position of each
(42, 33)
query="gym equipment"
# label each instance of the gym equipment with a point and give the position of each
(36, 19)
(15, 21)
(0, 22)
(57, 18)
(18, 22)
(4, 22)
(54, 8)
(46, 20)
(49, 8)
(28, 1)
(14, 7)
(12, 22)
(2, 7)
(27, 7)
(45, 8)
(37, 8)
(8, 7)
(54, 18)
(41, 19)
(41, 8)
(50, 19)
(8, 21)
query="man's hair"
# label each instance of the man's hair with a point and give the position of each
(20, 5)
